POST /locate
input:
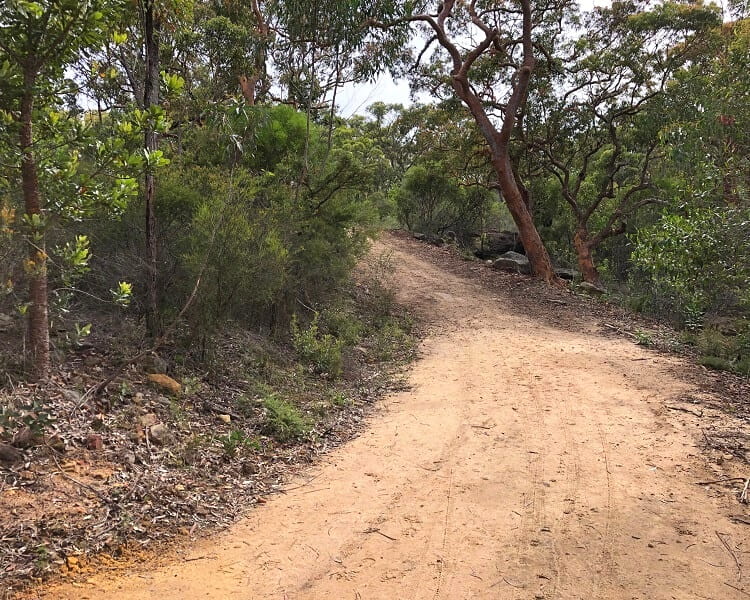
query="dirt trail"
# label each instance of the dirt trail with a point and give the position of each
(526, 462)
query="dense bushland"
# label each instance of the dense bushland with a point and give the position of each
(183, 166)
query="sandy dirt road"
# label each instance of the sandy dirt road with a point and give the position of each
(525, 462)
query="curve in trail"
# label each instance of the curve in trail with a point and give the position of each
(525, 462)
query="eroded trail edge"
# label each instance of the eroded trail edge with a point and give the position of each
(525, 462)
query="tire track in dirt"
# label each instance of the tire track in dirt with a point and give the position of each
(525, 463)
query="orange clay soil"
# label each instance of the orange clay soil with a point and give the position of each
(525, 462)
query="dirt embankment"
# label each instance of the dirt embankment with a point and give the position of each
(527, 461)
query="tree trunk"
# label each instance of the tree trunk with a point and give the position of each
(532, 242)
(499, 140)
(38, 321)
(247, 85)
(536, 252)
(584, 251)
(151, 98)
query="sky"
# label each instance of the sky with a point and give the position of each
(354, 99)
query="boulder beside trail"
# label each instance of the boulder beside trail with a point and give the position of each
(567, 274)
(513, 261)
(592, 289)
(500, 242)
(154, 364)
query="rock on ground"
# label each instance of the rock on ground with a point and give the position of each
(513, 261)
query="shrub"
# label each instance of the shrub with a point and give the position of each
(716, 363)
(322, 351)
(391, 340)
(694, 264)
(283, 420)
(343, 324)
(236, 441)
(376, 274)
(431, 201)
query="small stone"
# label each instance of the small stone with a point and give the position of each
(26, 438)
(148, 420)
(165, 383)
(71, 396)
(27, 475)
(159, 434)
(225, 419)
(130, 458)
(95, 442)
(72, 561)
(9, 454)
(728, 456)
(56, 443)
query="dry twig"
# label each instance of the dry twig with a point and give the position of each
(686, 410)
(725, 480)
(376, 530)
(619, 330)
(734, 556)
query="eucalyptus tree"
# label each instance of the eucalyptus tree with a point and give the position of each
(713, 140)
(596, 112)
(235, 39)
(486, 55)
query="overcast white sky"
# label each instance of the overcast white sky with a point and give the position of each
(354, 99)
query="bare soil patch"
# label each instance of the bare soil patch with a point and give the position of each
(537, 454)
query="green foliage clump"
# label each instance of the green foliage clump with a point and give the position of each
(322, 351)
(431, 201)
(642, 338)
(283, 420)
(693, 264)
(343, 324)
(392, 339)
(237, 441)
(33, 415)
(715, 363)
(725, 350)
